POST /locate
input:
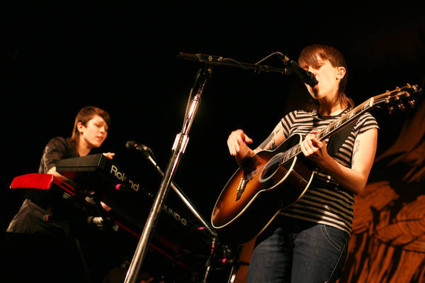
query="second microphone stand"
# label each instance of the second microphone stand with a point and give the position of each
(182, 196)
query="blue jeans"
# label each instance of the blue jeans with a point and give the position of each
(295, 251)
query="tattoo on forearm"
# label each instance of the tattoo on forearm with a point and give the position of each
(265, 144)
(270, 142)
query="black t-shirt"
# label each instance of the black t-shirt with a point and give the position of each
(31, 218)
(56, 149)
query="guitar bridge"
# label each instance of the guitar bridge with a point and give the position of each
(241, 188)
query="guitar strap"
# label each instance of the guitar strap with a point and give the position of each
(336, 140)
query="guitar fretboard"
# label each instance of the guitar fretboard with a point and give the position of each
(344, 119)
(333, 127)
(389, 96)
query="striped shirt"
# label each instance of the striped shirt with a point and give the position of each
(325, 201)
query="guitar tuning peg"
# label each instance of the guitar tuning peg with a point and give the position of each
(401, 106)
(390, 109)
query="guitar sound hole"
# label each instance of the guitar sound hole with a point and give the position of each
(269, 170)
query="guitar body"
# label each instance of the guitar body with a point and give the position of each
(257, 192)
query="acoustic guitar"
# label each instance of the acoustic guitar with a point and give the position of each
(274, 179)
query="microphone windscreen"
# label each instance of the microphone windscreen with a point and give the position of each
(130, 144)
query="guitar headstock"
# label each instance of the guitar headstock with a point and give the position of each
(401, 98)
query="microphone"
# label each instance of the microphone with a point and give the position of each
(305, 76)
(139, 147)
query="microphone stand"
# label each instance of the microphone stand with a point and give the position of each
(182, 196)
(178, 149)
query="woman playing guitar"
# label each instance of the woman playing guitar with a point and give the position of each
(307, 241)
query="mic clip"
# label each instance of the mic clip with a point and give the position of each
(140, 147)
(305, 76)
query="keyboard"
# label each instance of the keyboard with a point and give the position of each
(99, 172)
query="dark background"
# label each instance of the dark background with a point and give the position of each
(58, 56)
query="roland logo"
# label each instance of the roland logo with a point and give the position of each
(119, 175)
(134, 186)
(123, 178)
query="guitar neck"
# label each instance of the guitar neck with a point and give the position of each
(334, 126)
(395, 96)
(345, 119)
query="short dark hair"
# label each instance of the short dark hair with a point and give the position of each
(308, 56)
(85, 115)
